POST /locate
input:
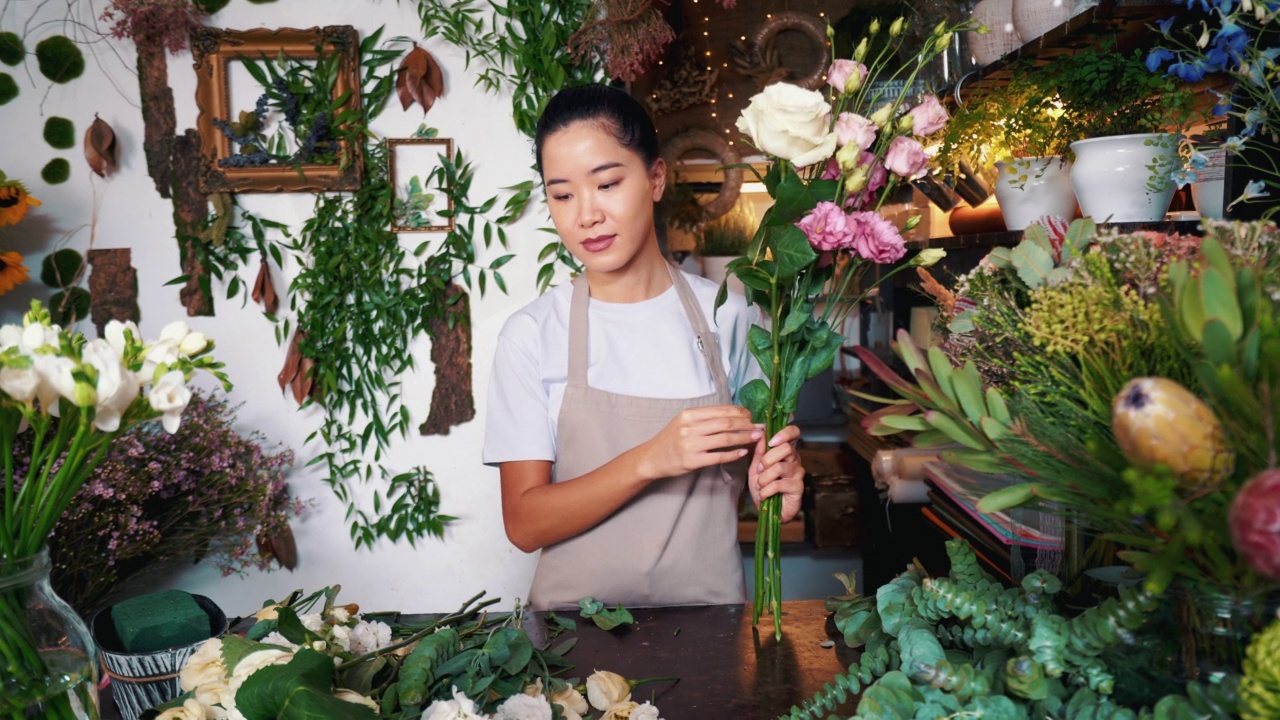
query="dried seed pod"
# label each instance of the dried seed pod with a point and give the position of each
(100, 147)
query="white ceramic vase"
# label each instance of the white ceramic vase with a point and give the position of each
(1002, 38)
(714, 268)
(1033, 18)
(1125, 178)
(1207, 193)
(1031, 188)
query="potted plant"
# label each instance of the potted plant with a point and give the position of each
(723, 239)
(1125, 122)
(1016, 130)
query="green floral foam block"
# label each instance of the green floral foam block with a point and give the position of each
(159, 620)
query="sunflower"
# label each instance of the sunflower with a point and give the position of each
(12, 271)
(14, 200)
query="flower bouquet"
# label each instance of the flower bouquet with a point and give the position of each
(299, 661)
(72, 396)
(835, 159)
(1126, 381)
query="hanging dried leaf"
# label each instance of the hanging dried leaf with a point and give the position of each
(281, 546)
(100, 147)
(304, 381)
(298, 371)
(263, 291)
(419, 79)
(292, 361)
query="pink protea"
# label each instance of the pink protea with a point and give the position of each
(875, 238)
(827, 227)
(1255, 523)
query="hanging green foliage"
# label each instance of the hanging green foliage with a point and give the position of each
(8, 88)
(62, 268)
(60, 60)
(12, 50)
(56, 171)
(60, 133)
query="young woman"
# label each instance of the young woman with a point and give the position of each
(610, 410)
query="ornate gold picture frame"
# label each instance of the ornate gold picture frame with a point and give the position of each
(416, 171)
(214, 49)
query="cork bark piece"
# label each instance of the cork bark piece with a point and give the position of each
(452, 402)
(113, 287)
(190, 207)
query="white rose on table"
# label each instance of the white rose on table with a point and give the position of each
(631, 710)
(791, 123)
(606, 689)
(460, 707)
(215, 696)
(169, 396)
(570, 701)
(255, 661)
(524, 707)
(204, 666)
(190, 710)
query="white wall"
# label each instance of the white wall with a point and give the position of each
(436, 575)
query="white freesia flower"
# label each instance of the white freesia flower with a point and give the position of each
(791, 123)
(255, 661)
(175, 331)
(352, 696)
(19, 383)
(570, 700)
(204, 666)
(116, 333)
(606, 689)
(460, 707)
(117, 387)
(189, 710)
(193, 344)
(56, 381)
(162, 352)
(524, 707)
(369, 636)
(37, 336)
(169, 397)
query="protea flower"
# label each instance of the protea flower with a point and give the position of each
(1255, 522)
(1156, 421)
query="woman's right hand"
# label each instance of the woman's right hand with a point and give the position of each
(697, 438)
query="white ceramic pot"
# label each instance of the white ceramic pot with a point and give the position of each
(1002, 37)
(714, 268)
(1207, 193)
(1125, 178)
(1033, 18)
(1031, 188)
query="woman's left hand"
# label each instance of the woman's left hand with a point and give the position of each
(776, 470)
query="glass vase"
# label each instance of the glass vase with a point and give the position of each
(48, 662)
(1216, 624)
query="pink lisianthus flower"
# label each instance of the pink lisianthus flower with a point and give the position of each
(832, 169)
(842, 71)
(1254, 520)
(853, 128)
(875, 238)
(929, 116)
(827, 227)
(906, 157)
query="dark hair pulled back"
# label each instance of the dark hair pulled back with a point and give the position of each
(615, 108)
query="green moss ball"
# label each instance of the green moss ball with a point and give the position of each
(60, 133)
(70, 305)
(60, 60)
(61, 268)
(8, 88)
(12, 51)
(56, 171)
(211, 6)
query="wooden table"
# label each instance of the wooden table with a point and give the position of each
(726, 669)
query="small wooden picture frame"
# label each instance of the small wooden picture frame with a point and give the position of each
(215, 50)
(417, 172)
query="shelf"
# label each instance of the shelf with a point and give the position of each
(1009, 238)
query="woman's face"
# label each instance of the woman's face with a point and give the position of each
(601, 195)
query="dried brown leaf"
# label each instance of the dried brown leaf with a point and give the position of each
(281, 547)
(292, 362)
(419, 79)
(100, 147)
(264, 291)
(303, 381)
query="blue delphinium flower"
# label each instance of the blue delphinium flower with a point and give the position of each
(1158, 57)
(1198, 160)
(1228, 46)
(1193, 71)
(1182, 176)
(1253, 118)
(1255, 189)
(1165, 25)
(1234, 144)
(1223, 105)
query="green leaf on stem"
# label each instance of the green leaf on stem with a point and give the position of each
(299, 690)
(754, 396)
(791, 250)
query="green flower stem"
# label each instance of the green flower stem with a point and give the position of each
(768, 556)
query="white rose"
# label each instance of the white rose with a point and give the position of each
(369, 636)
(190, 710)
(352, 696)
(20, 384)
(460, 707)
(620, 711)
(169, 397)
(255, 661)
(606, 689)
(116, 333)
(570, 700)
(215, 696)
(524, 707)
(117, 387)
(791, 123)
(204, 666)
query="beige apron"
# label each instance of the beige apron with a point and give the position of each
(676, 543)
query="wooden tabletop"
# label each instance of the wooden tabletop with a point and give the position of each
(726, 668)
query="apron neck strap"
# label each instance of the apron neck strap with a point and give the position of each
(707, 343)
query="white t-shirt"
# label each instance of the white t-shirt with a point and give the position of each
(644, 349)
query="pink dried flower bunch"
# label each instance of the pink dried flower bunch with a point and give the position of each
(165, 22)
(203, 493)
(628, 35)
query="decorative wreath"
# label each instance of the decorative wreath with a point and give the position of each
(808, 25)
(712, 143)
